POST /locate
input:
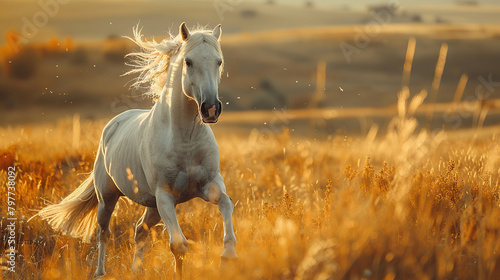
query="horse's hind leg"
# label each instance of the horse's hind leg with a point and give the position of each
(108, 195)
(150, 218)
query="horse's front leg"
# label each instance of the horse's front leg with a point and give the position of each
(215, 192)
(178, 242)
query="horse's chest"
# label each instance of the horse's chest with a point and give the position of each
(186, 175)
(186, 169)
(188, 183)
(191, 176)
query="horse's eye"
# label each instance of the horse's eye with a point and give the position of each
(188, 62)
(219, 62)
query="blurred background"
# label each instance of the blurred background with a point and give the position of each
(313, 66)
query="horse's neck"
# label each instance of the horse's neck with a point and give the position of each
(173, 108)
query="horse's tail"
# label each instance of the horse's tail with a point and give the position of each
(76, 215)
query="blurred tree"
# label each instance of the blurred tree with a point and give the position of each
(18, 61)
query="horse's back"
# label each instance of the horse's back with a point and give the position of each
(120, 149)
(125, 120)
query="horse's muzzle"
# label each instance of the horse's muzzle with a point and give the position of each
(210, 112)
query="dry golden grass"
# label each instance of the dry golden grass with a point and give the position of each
(405, 205)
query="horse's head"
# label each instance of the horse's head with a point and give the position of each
(202, 67)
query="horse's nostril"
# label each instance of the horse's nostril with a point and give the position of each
(204, 109)
(219, 108)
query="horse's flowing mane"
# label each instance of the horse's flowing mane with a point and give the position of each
(153, 58)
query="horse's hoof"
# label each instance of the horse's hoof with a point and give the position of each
(137, 270)
(229, 253)
(137, 266)
(229, 259)
(225, 261)
(99, 274)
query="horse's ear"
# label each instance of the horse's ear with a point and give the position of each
(184, 31)
(217, 31)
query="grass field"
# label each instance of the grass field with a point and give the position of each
(407, 204)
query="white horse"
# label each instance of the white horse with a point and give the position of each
(159, 157)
